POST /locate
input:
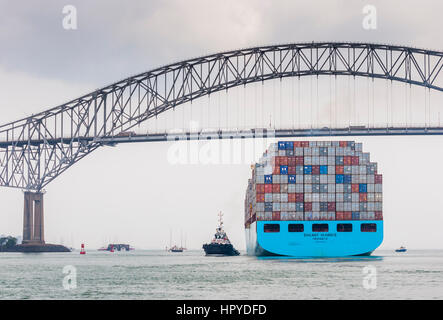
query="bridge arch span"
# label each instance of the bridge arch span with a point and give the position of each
(37, 149)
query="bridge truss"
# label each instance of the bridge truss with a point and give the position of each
(37, 149)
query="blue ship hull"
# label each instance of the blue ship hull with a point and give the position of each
(308, 244)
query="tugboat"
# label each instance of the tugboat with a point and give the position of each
(401, 249)
(220, 244)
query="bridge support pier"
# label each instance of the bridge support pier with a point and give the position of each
(33, 218)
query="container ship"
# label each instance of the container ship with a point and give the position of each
(314, 199)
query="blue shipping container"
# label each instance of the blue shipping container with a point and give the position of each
(283, 169)
(339, 178)
(363, 187)
(281, 145)
(323, 169)
(347, 178)
(289, 145)
(307, 169)
(268, 178)
(291, 178)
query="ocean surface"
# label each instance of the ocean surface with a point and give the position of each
(146, 274)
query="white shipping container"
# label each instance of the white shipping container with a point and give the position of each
(378, 206)
(307, 152)
(308, 197)
(292, 188)
(260, 179)
(339, 187)
(298, 216)
(283, 197)
(284, 215)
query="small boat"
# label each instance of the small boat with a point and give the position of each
(220, 244)
(175, 249)
(401, 249)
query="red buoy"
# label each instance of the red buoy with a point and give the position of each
(82, 250)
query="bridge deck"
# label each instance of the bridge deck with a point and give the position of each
(254, 133)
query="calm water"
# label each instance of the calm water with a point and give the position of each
(191, 275)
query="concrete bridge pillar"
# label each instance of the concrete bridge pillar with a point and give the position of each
(33, 218)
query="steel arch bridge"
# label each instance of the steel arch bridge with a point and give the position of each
(37, 149)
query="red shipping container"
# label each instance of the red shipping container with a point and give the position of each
(378, 178)
(276, 188)
(363, 197)
(339, 169)
(304, 144)
(299, 197)
(276, 215)
(276, 170)
(331, 206)
(299, 160)
(283, 161)
(339, 215)
(307, 206)
(260, 197)
(297, 144)
(260, 188)
(354, 188)
(378, 215)
(268, 188)
(355, 160)
(343, 143)
(347, 215)
(315, 169)
(291, 197)
(347, 160)
(291, 161)
(291, 170)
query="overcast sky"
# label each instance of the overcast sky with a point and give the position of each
(131, 193)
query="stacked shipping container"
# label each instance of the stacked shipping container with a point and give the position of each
(314, 180)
